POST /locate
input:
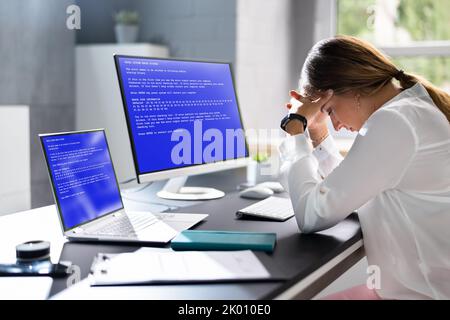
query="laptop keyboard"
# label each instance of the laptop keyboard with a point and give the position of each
(125, 225)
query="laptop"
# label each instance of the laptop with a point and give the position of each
(88, 198)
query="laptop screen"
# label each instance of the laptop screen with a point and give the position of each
(82, 176)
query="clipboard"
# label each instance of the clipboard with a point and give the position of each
(147, 266)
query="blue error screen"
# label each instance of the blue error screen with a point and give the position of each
(162, 97)
(83, 177)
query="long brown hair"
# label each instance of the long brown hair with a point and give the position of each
(345, 63)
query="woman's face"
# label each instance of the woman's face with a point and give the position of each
(343, 111)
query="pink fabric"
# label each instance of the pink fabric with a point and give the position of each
(360, 292)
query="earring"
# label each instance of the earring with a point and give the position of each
(358, 103)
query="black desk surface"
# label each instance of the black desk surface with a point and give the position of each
(295, 255)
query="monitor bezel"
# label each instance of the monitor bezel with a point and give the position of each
(192, 169)
(52, 182)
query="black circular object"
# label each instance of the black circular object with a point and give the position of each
(33, 250)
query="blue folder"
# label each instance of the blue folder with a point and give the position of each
(224, 240)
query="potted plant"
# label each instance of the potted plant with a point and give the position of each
(127, 26)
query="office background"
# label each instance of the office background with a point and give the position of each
(266, 40)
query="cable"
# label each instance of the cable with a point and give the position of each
(125, 192)
(132, 191)
(127, 180)
(139, 189)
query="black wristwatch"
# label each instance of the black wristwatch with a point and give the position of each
(291, 116)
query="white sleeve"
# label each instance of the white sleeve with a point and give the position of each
(376, 162)
(292, 150)
(328, 156)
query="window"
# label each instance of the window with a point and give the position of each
(414, 33)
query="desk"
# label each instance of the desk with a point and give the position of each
(307, 262)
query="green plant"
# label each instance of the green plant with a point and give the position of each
(421, 20)
(126, 17)
(260, 157)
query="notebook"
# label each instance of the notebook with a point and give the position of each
(224, 240)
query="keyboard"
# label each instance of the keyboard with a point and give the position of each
(125, 225)
(274, 208)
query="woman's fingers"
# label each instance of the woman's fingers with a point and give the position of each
(309, 107)
(323, 99)
(294, 94)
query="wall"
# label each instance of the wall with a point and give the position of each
(37, 54)
(199, 29)
(97, 19)
(15, 188)
(273, 39)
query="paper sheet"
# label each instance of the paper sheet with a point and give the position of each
(149, 266)
(25, 288)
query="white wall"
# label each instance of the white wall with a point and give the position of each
(262, 61)
(15, 189)
(37, 54)
(273, 38)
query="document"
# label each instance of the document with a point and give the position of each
(146, 266)
(25, 288)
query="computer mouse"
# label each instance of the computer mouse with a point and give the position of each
(272, 185)
(256, 193)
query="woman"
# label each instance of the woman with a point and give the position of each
(396, 175)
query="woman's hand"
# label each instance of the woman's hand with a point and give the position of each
(311, 110)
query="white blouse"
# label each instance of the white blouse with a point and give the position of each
(397, 177)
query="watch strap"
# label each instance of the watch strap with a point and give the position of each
(292, 116)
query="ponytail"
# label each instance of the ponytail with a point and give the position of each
(440, 98)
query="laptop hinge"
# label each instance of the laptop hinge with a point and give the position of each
(78, 230)
(94, 224)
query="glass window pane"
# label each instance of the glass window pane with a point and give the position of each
(434, 69)
(394, 22)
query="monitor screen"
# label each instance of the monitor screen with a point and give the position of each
(82, 176)
(180, 113)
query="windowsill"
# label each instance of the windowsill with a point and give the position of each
(270, 147)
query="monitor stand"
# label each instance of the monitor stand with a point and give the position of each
(174, 190)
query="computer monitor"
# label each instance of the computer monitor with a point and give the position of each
(183, 119)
